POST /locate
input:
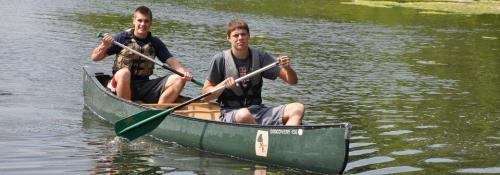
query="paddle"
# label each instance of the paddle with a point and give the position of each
(100, 35)
(144, 122)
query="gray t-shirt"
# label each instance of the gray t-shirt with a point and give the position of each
(217, 73)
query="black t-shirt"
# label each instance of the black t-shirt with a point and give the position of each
(243, 66)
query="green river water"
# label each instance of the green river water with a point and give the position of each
(421, 90)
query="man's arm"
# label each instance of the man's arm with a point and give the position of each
(286, 72)
(208, 86)
(215, 79)
(175, 64)
(99, 52)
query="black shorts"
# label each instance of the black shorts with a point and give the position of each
(148, 91)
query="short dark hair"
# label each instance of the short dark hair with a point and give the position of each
(145, 11)
(236, 24)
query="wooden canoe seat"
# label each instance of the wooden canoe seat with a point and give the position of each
(201, 110)
(202, 114)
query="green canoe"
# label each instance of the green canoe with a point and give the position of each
(316, 148)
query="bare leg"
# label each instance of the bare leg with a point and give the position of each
(122, 78)
(243, 115)
(173, 88)
(293, 114)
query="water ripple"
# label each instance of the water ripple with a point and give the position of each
(439, 160)
(356, 145)
(437, 145)
(398, 132)
(406, 152)
(390, 170)
(362, 152)
(490, 170)
(368, 161)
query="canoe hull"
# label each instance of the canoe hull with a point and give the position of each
(318, 148)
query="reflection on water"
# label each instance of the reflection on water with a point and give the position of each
(421, 90)
(406, 152)
(479, 170)
(392, 170)
(369, 161)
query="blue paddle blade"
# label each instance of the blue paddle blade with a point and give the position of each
(140, 123)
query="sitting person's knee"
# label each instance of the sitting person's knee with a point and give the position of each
(174, 80)
(299, 107)
(243, 112)
(175, 77)
(243, 115)
(123, 73)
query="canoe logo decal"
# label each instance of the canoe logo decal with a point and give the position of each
(298, 132)
(261, 143)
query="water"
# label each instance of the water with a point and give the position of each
(421, 90)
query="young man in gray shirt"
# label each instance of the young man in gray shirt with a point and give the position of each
(242, 102)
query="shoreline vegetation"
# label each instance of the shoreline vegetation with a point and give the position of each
(464, 7)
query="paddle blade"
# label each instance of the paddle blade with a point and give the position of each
(140, 123)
